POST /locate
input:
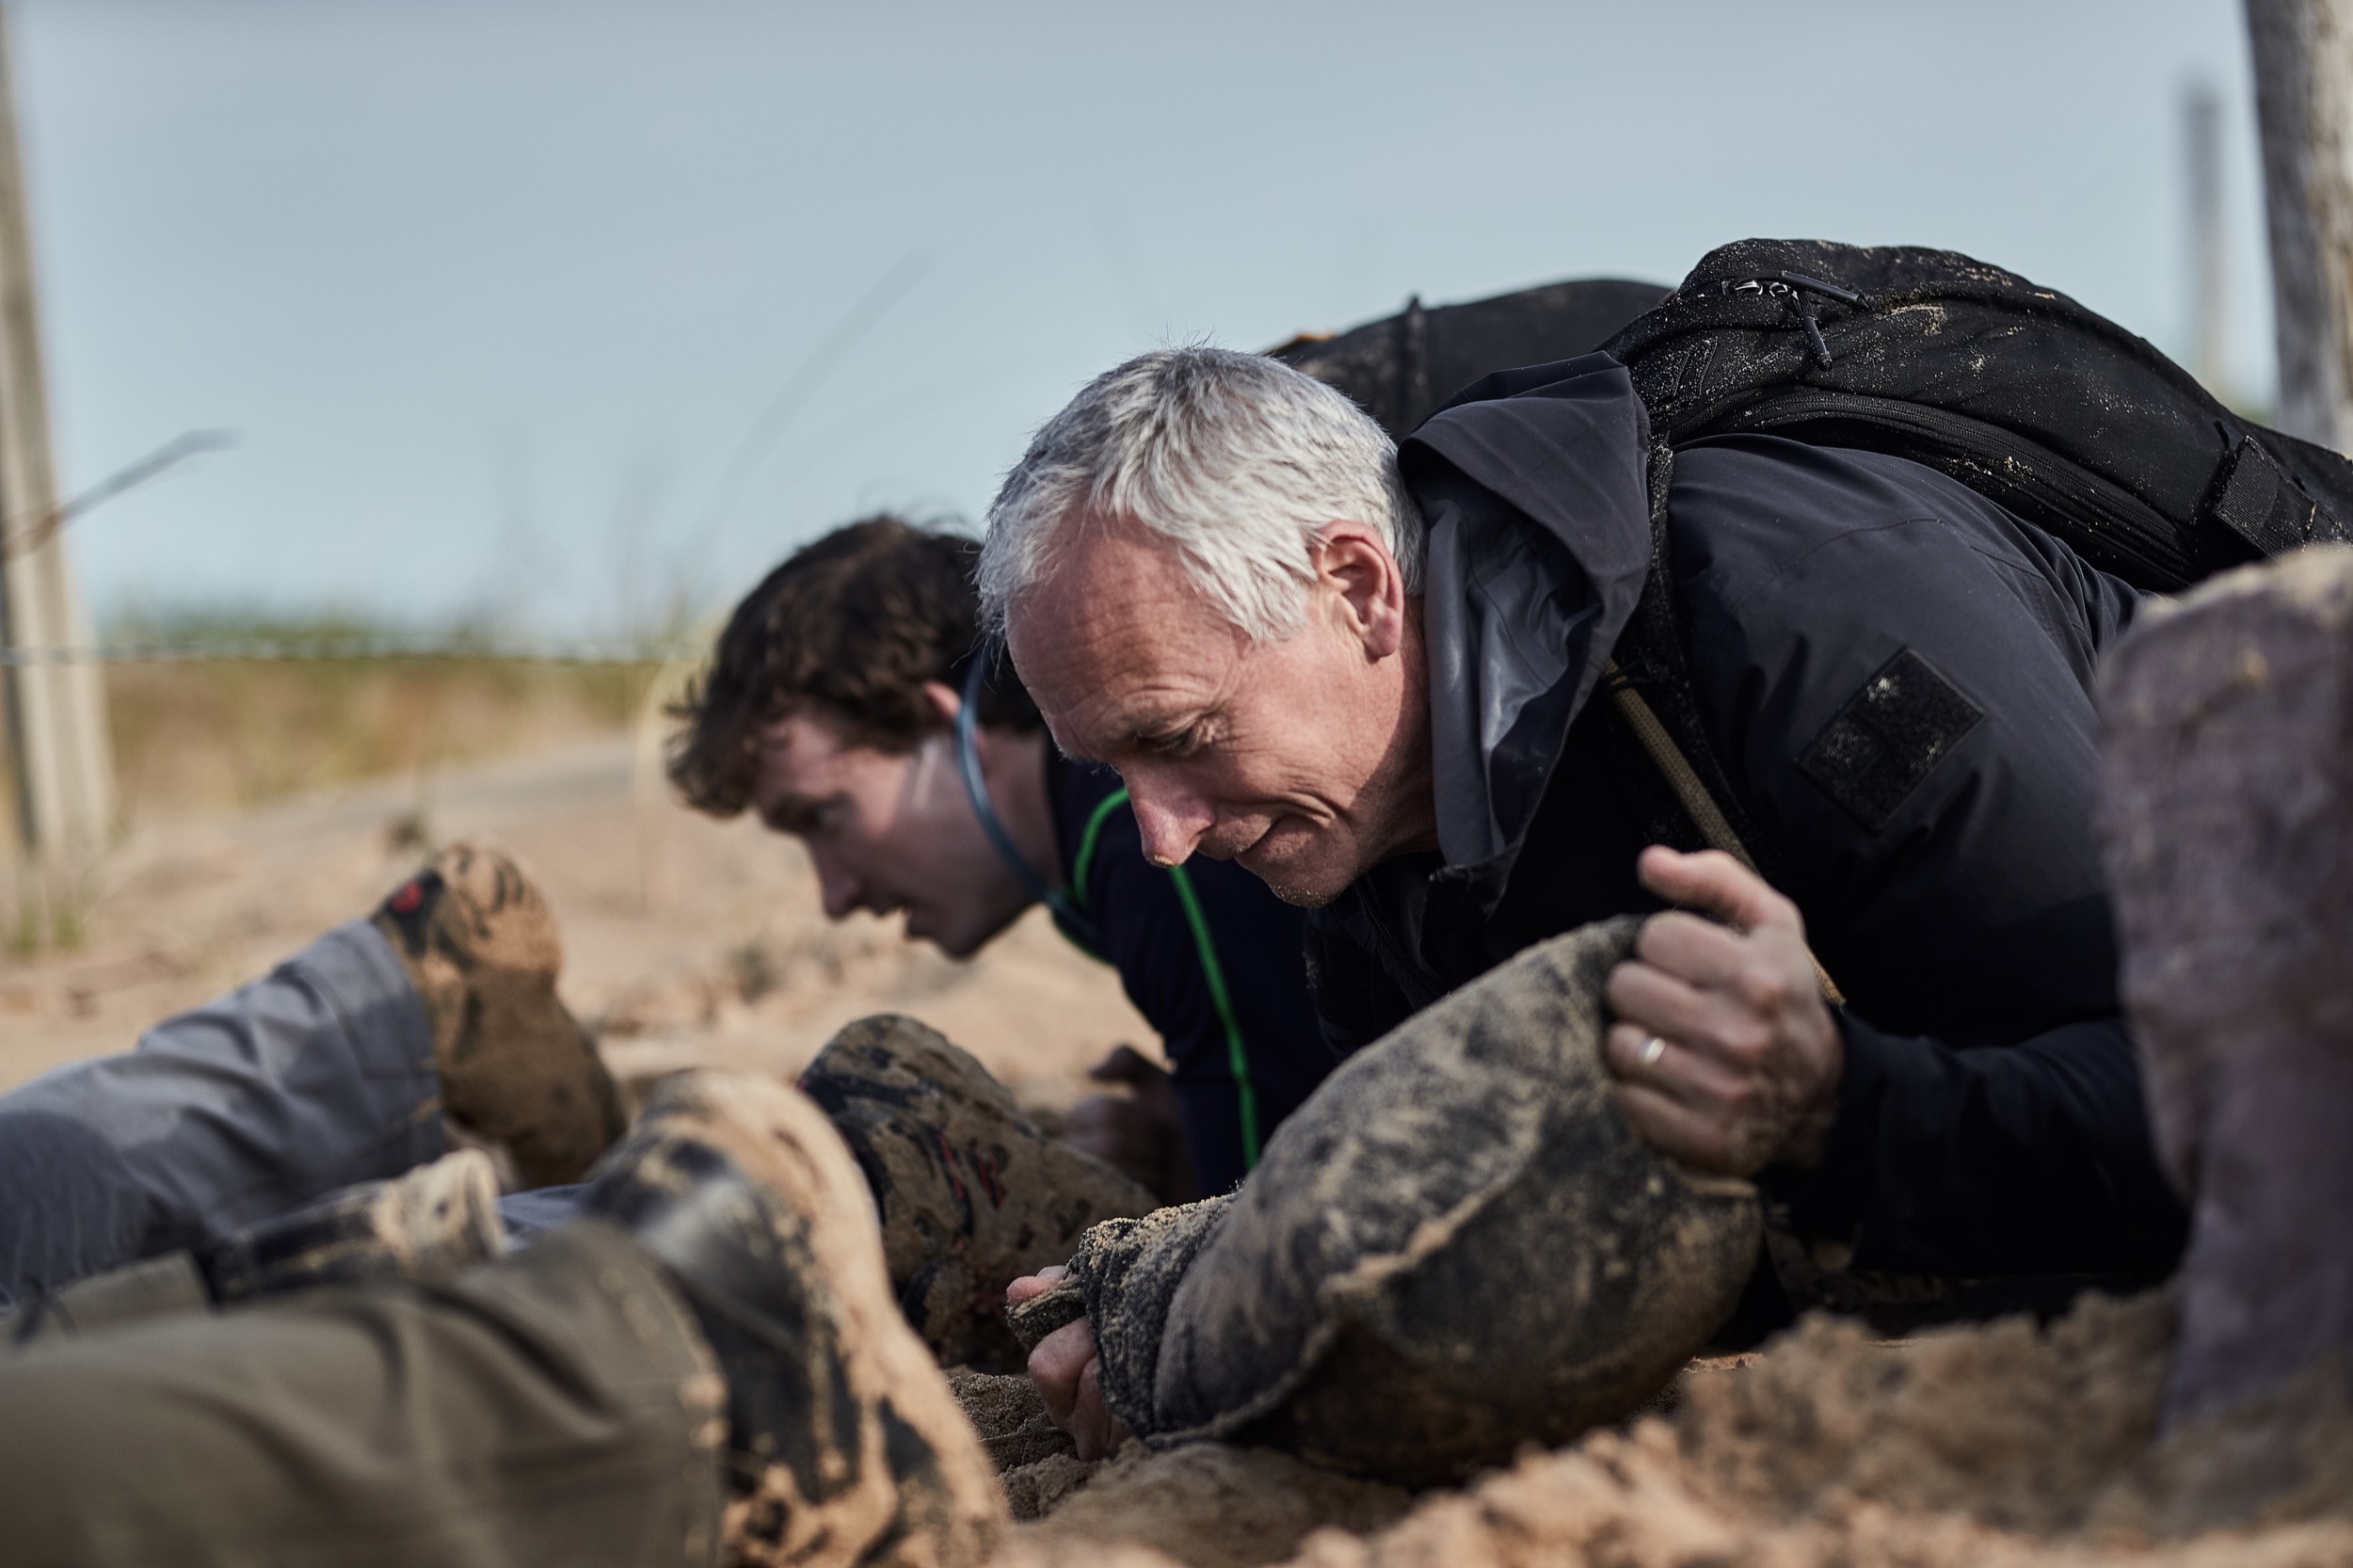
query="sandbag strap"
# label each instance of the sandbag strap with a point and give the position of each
(1697, 803)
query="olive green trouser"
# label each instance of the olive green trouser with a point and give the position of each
(556, 1407)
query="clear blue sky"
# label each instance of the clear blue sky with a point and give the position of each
(495, 293)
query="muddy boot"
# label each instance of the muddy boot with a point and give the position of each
(972, 1194)
(1456, 1247)
(517, 1070)
(2229, 822)
(845, 1443)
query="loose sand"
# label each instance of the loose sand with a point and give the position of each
(687, 941)
(1998, 1445)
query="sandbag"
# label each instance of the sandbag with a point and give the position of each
(972, 1194)
(1455, 1247)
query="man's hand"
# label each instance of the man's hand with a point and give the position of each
(1726, 1057)
(1139, 1133)
(1069, 1374)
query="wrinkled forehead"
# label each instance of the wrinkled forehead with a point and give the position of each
(1115, 643)
(1112, 598)
(1105, 572)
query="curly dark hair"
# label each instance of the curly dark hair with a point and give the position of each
(850, 627)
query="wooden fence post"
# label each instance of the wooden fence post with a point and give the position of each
(2303, 55)
(60, 759)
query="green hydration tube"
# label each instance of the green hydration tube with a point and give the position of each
(1236, 1057)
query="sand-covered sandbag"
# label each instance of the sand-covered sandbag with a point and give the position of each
(1456, 1247)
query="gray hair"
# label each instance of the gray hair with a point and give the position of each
(1236, 460)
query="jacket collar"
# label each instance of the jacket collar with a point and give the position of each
(1533, 485)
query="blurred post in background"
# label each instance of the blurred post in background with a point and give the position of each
(2201, 148)
(2303, 55)
(61, 770)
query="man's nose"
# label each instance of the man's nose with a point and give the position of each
(1171, 820)
(841, 892)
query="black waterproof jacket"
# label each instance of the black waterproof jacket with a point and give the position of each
(1897, 674)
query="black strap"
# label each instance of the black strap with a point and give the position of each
(1651, 661)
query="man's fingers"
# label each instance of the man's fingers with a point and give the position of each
(1098, 1432)
(1714, 882)
(1035, 1284)
(1069, 1379)
(1057, 1365)
(1689, 948)
(1690, 1078)
(1659, 1003)
(1674, 1130)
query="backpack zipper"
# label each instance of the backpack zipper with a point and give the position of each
(1794, 288)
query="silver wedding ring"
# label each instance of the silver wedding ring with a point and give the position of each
(1653, 1049)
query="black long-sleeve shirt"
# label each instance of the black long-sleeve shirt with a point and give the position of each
(1897, 674)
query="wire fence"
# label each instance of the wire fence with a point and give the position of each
(356, 650)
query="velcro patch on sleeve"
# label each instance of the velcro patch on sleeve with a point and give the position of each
(1888, 737)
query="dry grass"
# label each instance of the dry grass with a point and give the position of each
(228, 735)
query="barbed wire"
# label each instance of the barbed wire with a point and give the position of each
(355, 650)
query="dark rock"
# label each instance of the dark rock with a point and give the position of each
(2229, 822)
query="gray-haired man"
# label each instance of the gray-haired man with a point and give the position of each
(1368, 673)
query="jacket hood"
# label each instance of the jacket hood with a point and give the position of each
(1533, 485)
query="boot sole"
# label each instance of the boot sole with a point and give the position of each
(933, 1500)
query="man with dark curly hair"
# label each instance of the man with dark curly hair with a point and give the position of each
(837, 709)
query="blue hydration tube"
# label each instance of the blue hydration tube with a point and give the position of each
(976, 791)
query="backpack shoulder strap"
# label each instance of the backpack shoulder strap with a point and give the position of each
(1651, 666)
(1650, 687)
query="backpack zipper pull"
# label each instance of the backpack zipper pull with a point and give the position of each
(1844, 297)
(1813, 329)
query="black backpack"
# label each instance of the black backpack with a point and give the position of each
(1401, 367)
(2019, 393)
(2056, 413)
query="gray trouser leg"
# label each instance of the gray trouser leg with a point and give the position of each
(530, 1215)
(317, 1076)
(558, 1407)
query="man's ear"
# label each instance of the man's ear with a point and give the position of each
(1366, 589)
(943, 701)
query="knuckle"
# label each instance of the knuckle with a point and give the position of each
(1746, 1040)
(1765, 983)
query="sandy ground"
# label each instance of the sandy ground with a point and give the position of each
(691, 941)
(1964, 1447)
(687, 940)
